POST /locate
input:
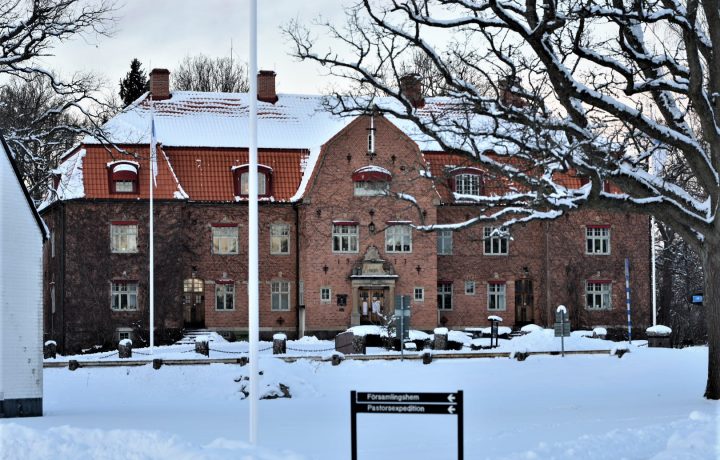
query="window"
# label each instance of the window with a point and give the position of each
(341, 300)
(225, 295)
(398, 238)
(597, 239)
(325, 295)
(280, 295)
(225, 239)
(496, 296)
(419, 294)
(371, 188)
(444, 294)
(597, 294)
(279, 239)
(245, 184)
(345, 237)
(469, 287)
(123, 237)
(124, 333)
(371, 181)
(124, 295)
(467, 184)
(495, 244)
(123, 177)
(241, 179)
(444, 242)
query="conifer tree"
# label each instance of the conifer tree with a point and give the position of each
(134, 84)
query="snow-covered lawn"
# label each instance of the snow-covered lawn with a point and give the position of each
(646, 405)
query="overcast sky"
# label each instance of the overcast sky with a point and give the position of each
(161, 32)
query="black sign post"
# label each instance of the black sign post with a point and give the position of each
(405, 403)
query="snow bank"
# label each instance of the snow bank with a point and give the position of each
(531, 328)
(362, 331)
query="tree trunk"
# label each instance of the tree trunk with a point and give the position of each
(710, 256)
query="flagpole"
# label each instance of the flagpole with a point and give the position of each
(152, 227)
(253, 278)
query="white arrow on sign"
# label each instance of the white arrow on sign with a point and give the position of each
(451, 409)
(451, 397)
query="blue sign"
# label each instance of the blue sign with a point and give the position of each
(697, 299)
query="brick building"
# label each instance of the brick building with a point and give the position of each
(341, 203)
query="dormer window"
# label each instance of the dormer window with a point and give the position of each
(467, 181)
(123, 176)
(241, 180)
(371, 181)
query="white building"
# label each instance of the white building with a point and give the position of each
(22, 233)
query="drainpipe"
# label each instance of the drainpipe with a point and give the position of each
(296, 208)
(62, 277)
(548, 306)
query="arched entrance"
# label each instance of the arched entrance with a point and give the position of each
(373, 285)
(194, 303)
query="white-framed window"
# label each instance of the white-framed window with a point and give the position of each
(225, 240)
(224, 296)
(597, 240)
(496, 296)
(494, 244)
(279, 239)
(398, 238)
(124, 186)
(469, 287)
(371, 188)
(124, 333)
(444, 242)
(419, 294)
(124, 295)
(597, 295)
(123, 238)
(280, 295)
(467, 184)
(345, 238)
(325, 294)
(245, 184)
(444, 296)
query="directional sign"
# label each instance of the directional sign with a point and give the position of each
(406, 398)
(405, 403)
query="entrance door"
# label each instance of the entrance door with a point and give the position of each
(194, 302)
(524, 307)
(372, 306)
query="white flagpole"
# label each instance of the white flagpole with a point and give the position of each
(253, 278)
(153, 159)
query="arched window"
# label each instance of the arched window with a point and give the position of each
(371, 181)
(467, 181)
(123, 176)
(241, 180)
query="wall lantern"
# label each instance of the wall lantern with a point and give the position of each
(418, 268)
(326, 268)
(371, 227)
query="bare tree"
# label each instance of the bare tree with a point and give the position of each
(42, 113)
(601, 88)
(202, 73)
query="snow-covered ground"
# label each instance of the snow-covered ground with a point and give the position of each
(646, 405)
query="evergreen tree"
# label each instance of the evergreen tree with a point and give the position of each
(135, 83)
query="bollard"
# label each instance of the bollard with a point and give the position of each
(50, 349)
(125, 348)
(427, 358)
(73, 364)
(157, 363)
(359, 345)
(202, 346)
(441, 338)
(521, 356)
(243, 361)
(336, 359)
(279, 344)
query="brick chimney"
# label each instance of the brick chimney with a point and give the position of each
(411, 88)
(266, 86)
(160, 84)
